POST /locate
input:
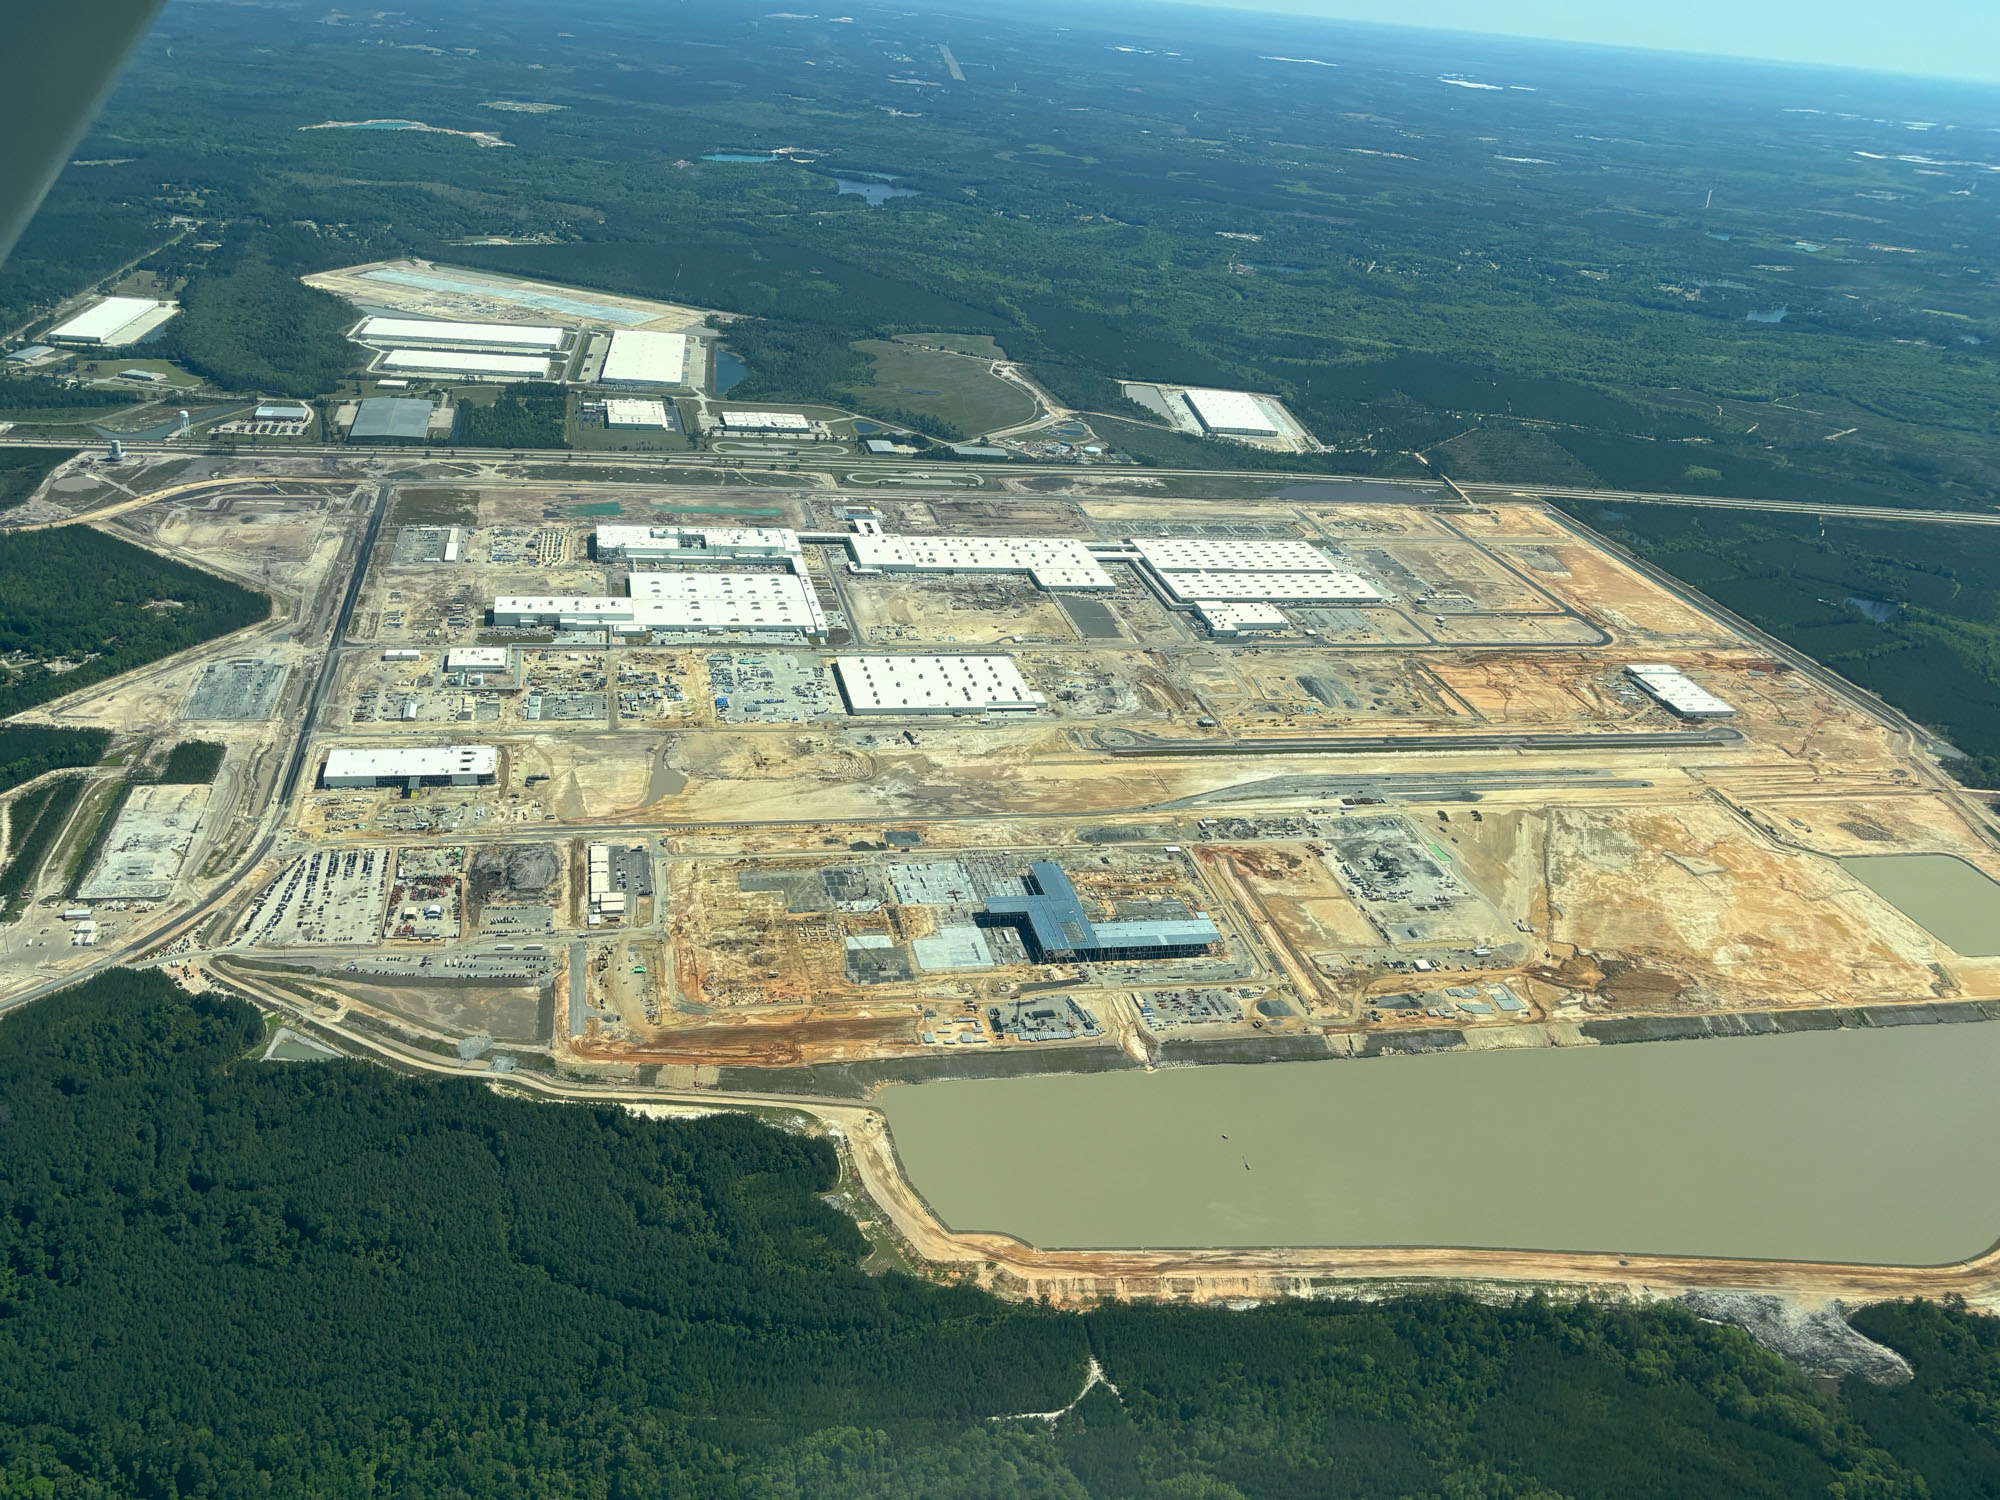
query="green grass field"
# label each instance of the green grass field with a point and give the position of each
(435, 508)
(23, 469)
(950, 386)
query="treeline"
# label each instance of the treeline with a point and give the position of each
(526, 415)
(248, 325)
(323, 1278)
(28, 394)
(33, 821)
(105, 606)
(27, 750)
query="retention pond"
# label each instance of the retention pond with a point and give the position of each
(1956, 903)
(1875, 1146)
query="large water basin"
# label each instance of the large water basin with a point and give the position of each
(1878, 1146)
(1956, 903)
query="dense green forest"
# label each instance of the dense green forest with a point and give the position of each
(77, 595)
(193, 761)
(324, 1279)
(27, 750)
(523, 416)
(1649, 272)
(23, 469)
(1910, 612)
(250, 325)
(34, 820)
(22, 394)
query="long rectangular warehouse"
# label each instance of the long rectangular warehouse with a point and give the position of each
(449, 362)
(1052, 562)
(440, 765)
(641, 358)
(698, 543)
(1231, 413)
(680, 602)
(1679, 693)
(112, 321)
(934, 685)
(1273, 588)
(1259, 555)
(427, 333)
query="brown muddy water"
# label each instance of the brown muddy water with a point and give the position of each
(1879, 1146)
(1956, 903)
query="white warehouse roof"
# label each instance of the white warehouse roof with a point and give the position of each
(934, 684)
(641, 358)
(437, 760)
(628, 412)
(1679, 692)
(420, 333)
(475, 658)
(114, 320)
(698, 543)
(680, 602)
(1052, 562)
(1240, 619)
(771, 421)
(1259, 555)
(449, 362)
(1332, 587)
(1232, 411)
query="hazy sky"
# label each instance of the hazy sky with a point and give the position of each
(1948, 38)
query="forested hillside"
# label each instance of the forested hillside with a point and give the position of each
(102, 606)
(222, 1277)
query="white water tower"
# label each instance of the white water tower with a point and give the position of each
(117, 454)
(182, 430)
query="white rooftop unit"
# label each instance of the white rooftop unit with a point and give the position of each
(440, 765)
(1260, 555)
(427, 333)
(1241, 619)
(699, 543)
(453, 362)
(112, 321)
(934, 685)
(1333, 587)
(767, 421)
(1678, 692)
(1052, 562)
(641, 358)
(476, 659)
(1236, 413)
(627, 412)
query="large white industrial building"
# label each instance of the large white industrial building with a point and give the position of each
(766, 421)
(1678, 692)
(1052, 562)
(1331, 587)
(775, 544)
(457, 362)
(627, 412)
(1268, 570)
(1229, 555)
(1231, 413)
(427, 333)
(707, 602)
(441, 765)
(1230, 620)
(934, 685)
(641, 358)
(113, 321)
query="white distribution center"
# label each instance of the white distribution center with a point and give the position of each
(706, 602)
(934, 685)
(1277, 570)
(766, 421)
(700, 544)
(112, 321)
(442, 765)
(449, 362)
(1052, 562)
(1674, 689)
(426, 333)
(1241, 619)
(641, 358)
(1235, 413)
(627, 412)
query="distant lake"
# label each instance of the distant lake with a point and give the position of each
(729, 371)
(374, 125)
(875, 194)
(1775, 315)
(736, 156)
